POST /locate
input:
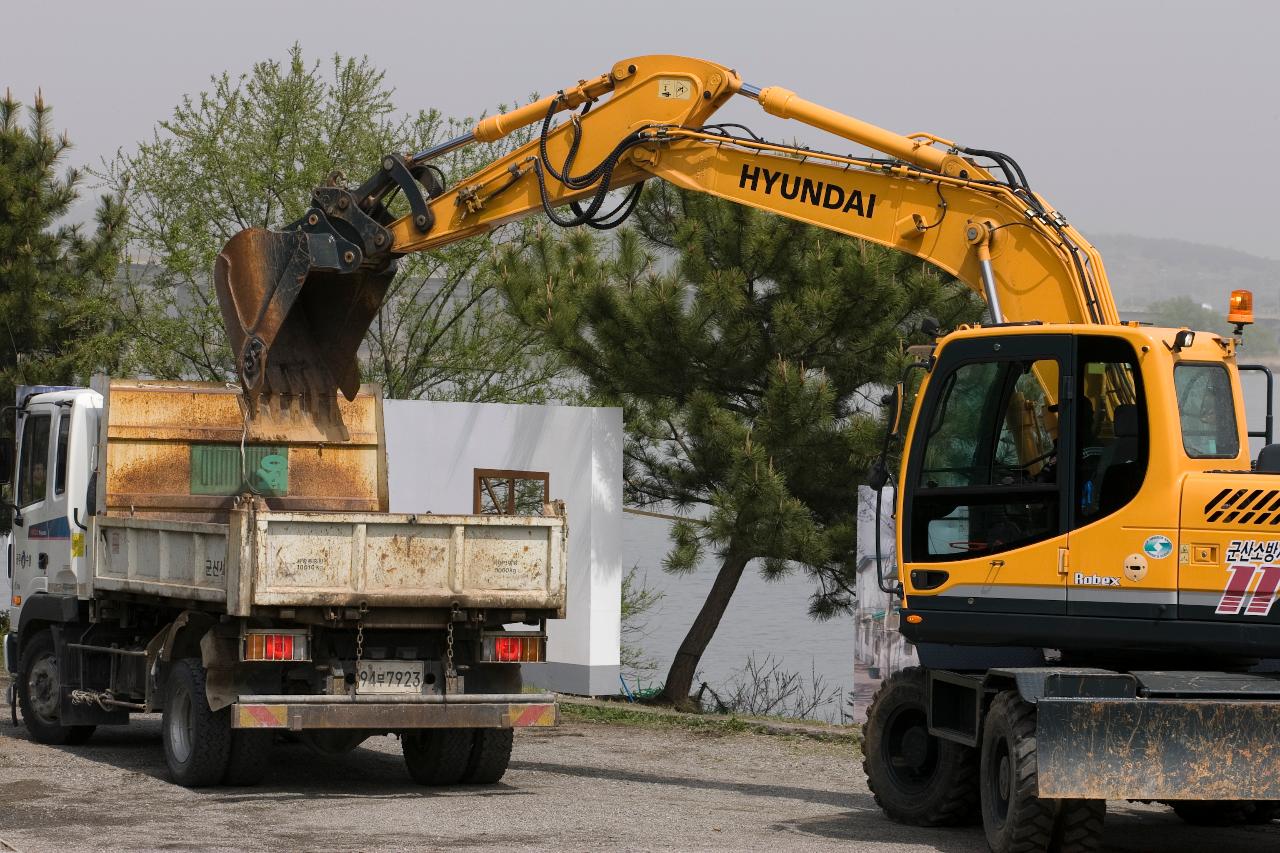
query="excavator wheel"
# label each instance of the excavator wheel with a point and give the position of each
(916, 778)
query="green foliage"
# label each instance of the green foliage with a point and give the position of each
(54, 278)
(745, 369)
(638, 599)
(248, 152)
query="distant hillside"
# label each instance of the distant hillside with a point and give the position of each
(1144, 269)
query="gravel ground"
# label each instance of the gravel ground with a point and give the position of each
(584, 786)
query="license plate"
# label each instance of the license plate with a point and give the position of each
(389, 676)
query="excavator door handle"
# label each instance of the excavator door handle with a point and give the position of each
(997, 564)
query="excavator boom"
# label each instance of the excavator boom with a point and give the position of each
(297, 301)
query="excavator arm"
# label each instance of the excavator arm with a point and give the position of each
(297, 302)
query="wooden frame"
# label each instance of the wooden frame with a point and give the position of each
(482, 483)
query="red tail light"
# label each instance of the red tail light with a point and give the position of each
(514, 648)
(507, 648)
(275, 646)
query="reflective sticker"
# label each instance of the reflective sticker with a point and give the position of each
(262, 717)
(520, 716)
(1157, 547)
(77, 544)
(1135, 566)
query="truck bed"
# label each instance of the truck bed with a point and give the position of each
(272, 559)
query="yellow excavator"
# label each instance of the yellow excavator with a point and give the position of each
(1088, 556)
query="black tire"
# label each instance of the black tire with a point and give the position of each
(197, 741)
(916, 778)
(248, 757)
(437, 756)
(490, 755)
(1078, 826)
(39, 694)
(1014, 818)
(1214, 812)
(1264, 811)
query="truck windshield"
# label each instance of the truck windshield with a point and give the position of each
(1206, 411)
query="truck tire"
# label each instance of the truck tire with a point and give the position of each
(40, 694)
(248, 757)
(1014, 818)
(490, 755)
(437, 756)
(197, 741)
(916, 778)
(1264, 811)
(1078, 826)
(1214, 812)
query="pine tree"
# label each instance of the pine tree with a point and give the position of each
(746, 365)
(55, 281)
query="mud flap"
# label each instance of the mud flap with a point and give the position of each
(1158, 749)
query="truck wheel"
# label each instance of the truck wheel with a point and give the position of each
(1214, 812)
(490, 755)
(917, 778)
(437, 756)
(197, 741)
(1264, 811)
(1014, 818)
(40, 694)
(1078, 827)
(247, 759)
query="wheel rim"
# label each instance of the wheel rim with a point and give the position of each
(1001, 781)
(42, 688)
(180, 727)
(908, 750)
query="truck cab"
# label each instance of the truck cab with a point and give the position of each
(56, 437)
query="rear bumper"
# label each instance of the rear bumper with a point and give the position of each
(299, 713)
(1158, 749)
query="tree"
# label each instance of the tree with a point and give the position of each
(745, 370)
(54, 277)
(1181, 311)
(248, 152)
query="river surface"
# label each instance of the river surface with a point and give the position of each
(764, 619)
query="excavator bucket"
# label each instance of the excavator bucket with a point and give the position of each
(294, 320)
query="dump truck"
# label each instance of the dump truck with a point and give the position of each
(243, 577)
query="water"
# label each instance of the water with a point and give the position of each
(764, 618)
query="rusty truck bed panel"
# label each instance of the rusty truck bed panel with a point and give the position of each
(174, 559)
(152, 432)
(273, 559)
(407, 560)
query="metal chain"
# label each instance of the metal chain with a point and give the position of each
(448, 650)
(364, 608)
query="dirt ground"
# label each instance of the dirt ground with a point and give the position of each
(584, 786)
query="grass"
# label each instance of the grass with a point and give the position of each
(610, 713)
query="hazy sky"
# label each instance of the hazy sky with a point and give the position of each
(1152, 118)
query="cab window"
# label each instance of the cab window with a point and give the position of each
(988, 481)
(1206, 411)
(33, 476)
(60, 461)
(1111, 428)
